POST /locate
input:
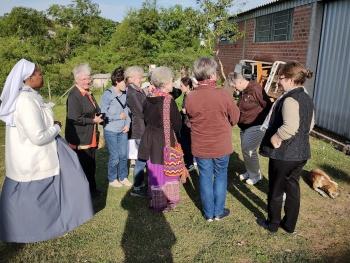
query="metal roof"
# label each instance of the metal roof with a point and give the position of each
(242, 6)
(268, 7)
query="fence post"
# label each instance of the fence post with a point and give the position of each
(49, 88)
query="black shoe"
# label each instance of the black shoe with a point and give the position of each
(140, 192)
(286, 229)
(223, 215)
(267, 225)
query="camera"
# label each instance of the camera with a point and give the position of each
(104, 118)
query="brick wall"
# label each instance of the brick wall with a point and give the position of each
(295, 49)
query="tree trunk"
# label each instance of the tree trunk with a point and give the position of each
(220, 64)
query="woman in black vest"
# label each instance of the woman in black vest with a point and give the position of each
(286, 143)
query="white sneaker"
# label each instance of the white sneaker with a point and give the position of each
(126, 182)
(244, 176)
(253, 181)
(115, 183)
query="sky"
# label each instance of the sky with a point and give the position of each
(117, 9)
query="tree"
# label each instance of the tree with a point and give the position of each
(216, 23)
(82, 17)
(24, 23)
(158, 36)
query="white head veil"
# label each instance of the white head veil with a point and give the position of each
(14, 82)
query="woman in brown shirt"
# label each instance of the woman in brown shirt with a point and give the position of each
(254, 105)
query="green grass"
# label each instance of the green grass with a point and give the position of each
(125, 230)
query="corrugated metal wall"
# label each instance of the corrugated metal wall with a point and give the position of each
(332, 86)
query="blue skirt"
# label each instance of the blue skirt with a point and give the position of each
(44, 209)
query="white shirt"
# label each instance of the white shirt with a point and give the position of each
(31, 150)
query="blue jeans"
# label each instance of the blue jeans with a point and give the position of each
(139, 169)
(117, 143)
(213, 184)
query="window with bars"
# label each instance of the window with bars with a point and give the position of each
(274, 27)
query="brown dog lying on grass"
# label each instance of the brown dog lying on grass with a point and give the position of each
(323, 184)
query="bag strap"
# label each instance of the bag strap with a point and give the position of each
(117, 98)
(166, 119)
(121, 104)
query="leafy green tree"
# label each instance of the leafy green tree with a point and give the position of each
(78, 24)
(158, 36)
(66, 35)
(24, 23)
(215, 23)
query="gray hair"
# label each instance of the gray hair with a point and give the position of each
(132, 71)
(231, 77)
(81, 69)
(161, 76)
(204, 68)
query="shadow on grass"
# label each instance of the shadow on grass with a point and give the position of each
(305, 175)
(147, 235)
(8, 251)
(241, 191)
(192, 189)
(237, 188)
(99, 203)
(337, 174)
(339, 257)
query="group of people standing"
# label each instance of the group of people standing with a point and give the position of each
(40, 165)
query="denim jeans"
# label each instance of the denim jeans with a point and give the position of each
(139, 169)
(117, 143)
(213, 184)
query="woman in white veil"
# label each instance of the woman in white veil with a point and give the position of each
(45, 192)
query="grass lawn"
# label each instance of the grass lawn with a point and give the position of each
(125, 230)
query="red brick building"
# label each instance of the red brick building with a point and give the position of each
(295, 24)
(314, 32)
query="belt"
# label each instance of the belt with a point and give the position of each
(79, 147)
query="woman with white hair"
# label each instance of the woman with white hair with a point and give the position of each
(164, 190)
(135, 97)
(83, 116)
(45, 192)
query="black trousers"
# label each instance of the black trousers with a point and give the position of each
(88, 163)
(185, 141)
(284, 178)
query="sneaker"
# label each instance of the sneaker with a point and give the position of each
(253, 181)
(126, 182)
(138, 192)
(210, 220)
(115, 183)
(223, 215)
(244, 176)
